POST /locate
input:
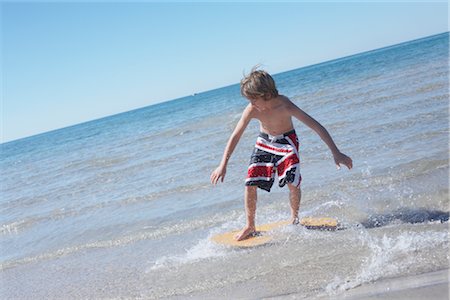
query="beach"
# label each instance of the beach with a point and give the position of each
(433, 285)
(122, 207)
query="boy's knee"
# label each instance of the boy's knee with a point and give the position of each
(293, 188)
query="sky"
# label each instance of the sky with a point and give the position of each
(64, 63)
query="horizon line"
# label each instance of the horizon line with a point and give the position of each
(229, 85)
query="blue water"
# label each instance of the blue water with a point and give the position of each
(122, 206)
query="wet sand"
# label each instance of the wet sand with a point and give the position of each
(432, 285)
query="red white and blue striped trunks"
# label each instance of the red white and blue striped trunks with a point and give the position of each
(274, 154)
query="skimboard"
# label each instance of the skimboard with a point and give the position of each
(262, 235)
(319, 223)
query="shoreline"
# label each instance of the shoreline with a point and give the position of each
(430, 285)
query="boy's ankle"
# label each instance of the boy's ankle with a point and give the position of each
(250, 225)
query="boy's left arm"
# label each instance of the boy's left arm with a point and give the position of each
(339, 157)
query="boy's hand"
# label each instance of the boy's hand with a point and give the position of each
(341, 158)
(217, 174)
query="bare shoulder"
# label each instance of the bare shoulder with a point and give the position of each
(249, 112)
(288, 104)
(294, 110)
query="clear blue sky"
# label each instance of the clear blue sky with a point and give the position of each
(66, 63)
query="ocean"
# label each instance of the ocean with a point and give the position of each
(122, 207)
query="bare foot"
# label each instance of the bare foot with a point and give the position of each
(247, 232)
(294, 221)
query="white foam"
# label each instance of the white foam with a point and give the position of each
(204, 249)
(389, 256)
(12, 228)
(327, 205)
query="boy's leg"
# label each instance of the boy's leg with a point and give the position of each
(295, 195)
(250, 211)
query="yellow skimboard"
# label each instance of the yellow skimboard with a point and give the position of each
(262, 235)
(319, 223)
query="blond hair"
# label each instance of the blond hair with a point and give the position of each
(258, 84)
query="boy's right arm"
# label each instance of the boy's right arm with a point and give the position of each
(220, 171)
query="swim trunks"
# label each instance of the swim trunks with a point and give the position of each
(274, 154)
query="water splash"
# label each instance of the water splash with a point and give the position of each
(389, 256)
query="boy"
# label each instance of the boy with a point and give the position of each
(276, 148)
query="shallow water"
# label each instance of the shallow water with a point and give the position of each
(122, 206)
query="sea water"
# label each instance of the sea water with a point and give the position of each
(122, 207)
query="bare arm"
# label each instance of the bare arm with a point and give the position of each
(339, 157)
(220, 171)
